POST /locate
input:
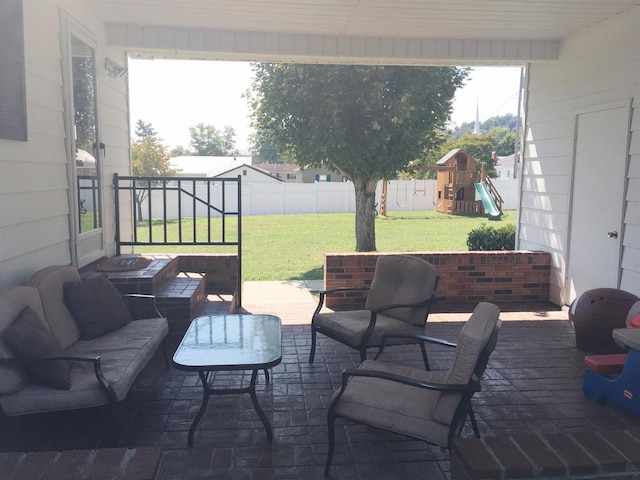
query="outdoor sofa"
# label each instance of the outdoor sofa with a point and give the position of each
(52, 359)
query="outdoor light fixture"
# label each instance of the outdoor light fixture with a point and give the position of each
(113, 68)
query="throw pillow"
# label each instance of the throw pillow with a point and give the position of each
(96, 305)
(12, 376)
(33, 343)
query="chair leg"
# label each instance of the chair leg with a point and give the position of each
(164, 353)
(331, 420)
(312, 353)
(474, 424)
(363, 354)
(425, 357)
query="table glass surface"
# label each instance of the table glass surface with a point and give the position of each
(219, 342)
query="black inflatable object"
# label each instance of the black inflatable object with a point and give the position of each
(595, 313)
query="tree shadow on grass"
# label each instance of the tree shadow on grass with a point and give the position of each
(313, 274)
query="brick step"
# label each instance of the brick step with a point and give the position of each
(579, 455)
(180, 298)
(115, 463)
(181, 284)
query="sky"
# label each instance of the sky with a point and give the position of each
(173, 95)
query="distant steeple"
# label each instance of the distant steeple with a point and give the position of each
(476, 127)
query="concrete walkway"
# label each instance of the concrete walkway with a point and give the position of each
(291, 300)
(294, 302)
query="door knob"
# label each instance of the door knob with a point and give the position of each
(613, 234)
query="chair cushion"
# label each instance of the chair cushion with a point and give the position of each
(394, 406)
(402, 279)
(351, 326)
(96, 305)
(30, 340)
(472, 340)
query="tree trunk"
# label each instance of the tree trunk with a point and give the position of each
(365, 214)
(139, 198)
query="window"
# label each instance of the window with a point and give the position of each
(13, 109)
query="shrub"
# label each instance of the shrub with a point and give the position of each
(489, 238)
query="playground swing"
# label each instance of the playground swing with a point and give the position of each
(405, 196)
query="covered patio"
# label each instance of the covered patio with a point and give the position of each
(533, 385)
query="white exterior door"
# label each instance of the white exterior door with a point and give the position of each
(600, 165)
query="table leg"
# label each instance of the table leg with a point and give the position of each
(203, 407)
(256, 405)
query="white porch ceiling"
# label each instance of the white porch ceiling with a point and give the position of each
(397, 31)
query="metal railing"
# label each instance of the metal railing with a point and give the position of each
(180, 211)
(88, 202)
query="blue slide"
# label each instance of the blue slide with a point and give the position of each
(488, 201)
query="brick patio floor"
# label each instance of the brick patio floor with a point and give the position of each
(533, 384)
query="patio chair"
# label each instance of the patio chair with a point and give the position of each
(429, 406)
(398, 301)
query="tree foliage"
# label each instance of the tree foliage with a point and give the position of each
(208, 140)
(264, 150)
(366, 122)
(508, 121)
(149, 158)
(503, 140)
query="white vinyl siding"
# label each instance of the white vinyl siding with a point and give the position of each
(34, 185)
(599, 65)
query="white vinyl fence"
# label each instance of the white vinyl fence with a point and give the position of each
(320, 197)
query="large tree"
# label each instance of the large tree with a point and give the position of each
(208, 140)
(149, 158)
(367, 122)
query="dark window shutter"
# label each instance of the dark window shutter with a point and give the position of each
(13, 109)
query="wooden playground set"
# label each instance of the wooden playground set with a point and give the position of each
(461, 190)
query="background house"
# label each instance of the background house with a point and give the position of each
(250, 174)
(505, 166)
(292, 173)
(580, 181)
(207, 166)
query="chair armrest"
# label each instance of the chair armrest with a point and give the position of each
(413, 336)
(148, 298)
(440, 387)
(418, 337)
(97, 370)
(324, 293)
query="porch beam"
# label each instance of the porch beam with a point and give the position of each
(210, 44)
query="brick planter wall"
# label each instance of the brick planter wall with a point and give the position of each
(221, 270)
(466, 278)
(610, 454)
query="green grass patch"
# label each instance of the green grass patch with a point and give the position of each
(292, 247)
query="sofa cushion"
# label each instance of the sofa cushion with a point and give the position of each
(96, 305)
(32, 342)
(123, 354)
(13, 299)
(49, 282)
(12, 376)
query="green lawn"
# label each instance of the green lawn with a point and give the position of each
(290, 247)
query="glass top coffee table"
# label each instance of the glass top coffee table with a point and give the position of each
(230, 342)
